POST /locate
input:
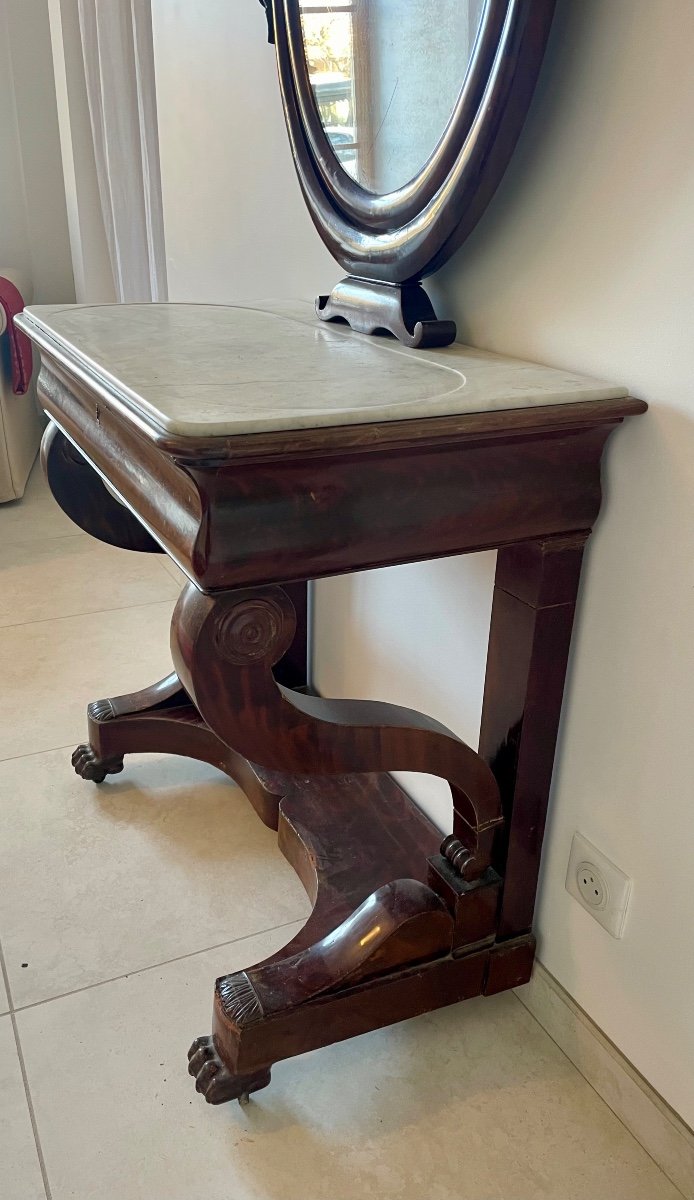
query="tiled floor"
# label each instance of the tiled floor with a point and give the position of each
(118, 907)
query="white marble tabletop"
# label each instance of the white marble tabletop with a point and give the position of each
(212, 370)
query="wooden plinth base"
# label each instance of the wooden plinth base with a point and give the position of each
(377, 947)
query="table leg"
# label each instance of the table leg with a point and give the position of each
(532, 617)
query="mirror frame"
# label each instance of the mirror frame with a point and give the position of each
(402, 236)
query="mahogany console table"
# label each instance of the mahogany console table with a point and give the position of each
(260, 450)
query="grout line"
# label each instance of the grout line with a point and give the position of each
(76, 616)
(152, 967)
(173, 571)
(89, 612)
(6, 980)
(602, 1099)
(36, 753)
(35, 541)
(25, 1079)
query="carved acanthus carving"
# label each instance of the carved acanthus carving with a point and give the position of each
(100, 710)
(239, 999)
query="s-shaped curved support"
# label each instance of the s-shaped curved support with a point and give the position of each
(402, 949)
(224, 647)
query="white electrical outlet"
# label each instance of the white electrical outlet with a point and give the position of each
(598, 885)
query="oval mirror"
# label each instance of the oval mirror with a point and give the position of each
(402, 116)
(386, 77)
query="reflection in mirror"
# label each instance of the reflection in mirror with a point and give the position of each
(386, 76)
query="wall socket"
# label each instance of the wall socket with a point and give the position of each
(598, 885)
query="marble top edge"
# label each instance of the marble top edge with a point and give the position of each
(309, 375)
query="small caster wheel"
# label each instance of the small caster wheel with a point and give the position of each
(88, 765)
(215, 1081)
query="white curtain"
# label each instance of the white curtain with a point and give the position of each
(119, 71)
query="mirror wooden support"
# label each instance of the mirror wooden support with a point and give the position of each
(388, 242)
(402, 921)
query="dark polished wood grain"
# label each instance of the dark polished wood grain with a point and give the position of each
(224, 648)
(532, 617)
(325, 502)
(345, 1013)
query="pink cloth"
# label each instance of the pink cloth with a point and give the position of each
(20, 346)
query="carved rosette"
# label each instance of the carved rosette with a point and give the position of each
(251, 631)
(255, 629)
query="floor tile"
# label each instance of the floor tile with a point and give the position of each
(175, 572)
(166, 859)
(472, 1101)
(20, 1173)
(64, 576)
(4, 1001)
(50, 670)
(36, 516)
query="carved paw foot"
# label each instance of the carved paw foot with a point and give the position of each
(88, 765)
(214, 1081)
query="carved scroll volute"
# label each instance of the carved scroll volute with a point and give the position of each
(249, 631)
(256, 630)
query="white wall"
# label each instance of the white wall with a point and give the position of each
(585, 260)
(33, 220)
(235, 223)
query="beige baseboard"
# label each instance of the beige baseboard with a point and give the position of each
(652, 1122)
